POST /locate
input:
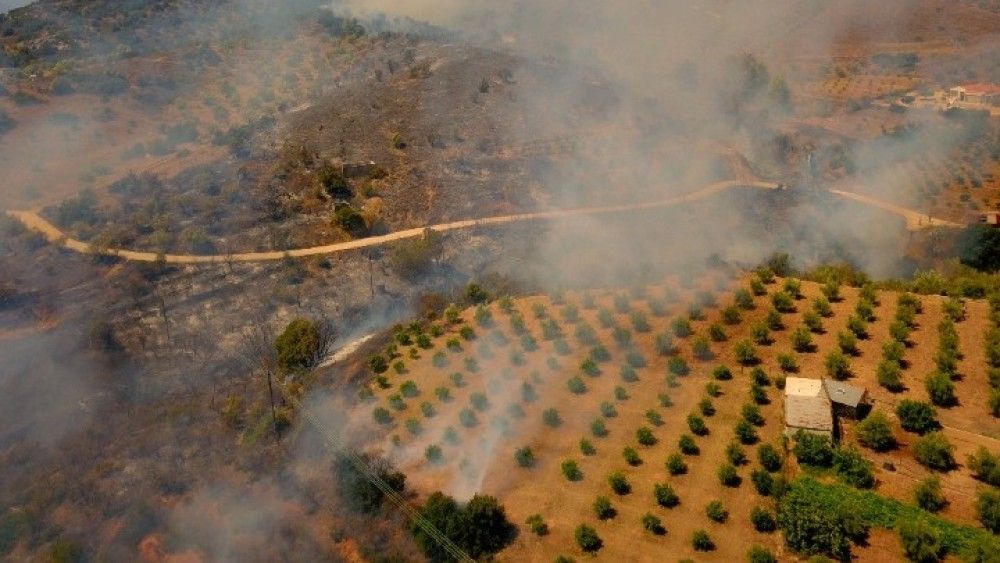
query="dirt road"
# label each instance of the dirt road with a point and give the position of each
(35, 222)
(915, 220)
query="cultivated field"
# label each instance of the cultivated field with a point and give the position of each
(456, 411)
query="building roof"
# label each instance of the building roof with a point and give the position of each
(981, 88)
(842, 393)
(803, 387)
(809, 413)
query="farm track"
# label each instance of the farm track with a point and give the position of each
(37, 223)
(914, 221)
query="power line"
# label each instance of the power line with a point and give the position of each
(334, 444)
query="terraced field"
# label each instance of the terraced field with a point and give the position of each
(587, 408)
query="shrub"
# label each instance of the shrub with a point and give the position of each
(713, 389)
(837, 366)
(653, 524)
(590, 368)
(619, 484)
(528, 343)
(813, 322)
(928, 496)
(664, 344)
(921, 541)
(988, 509)
(900, 332)
(665, 495)
(769, 457)
(759, 394)
(763, 520)
(300, 346)
(916, 416)
(745, 352)
(774, 321)
(701, 541)
(631, 456)
(783, 303)
(479, 401)
(468, 418)
(681, 327)
(751, 414)
(940, 389)
(831, 290)
(678, 366)
(848, 343)
(722, 373)
(676, 465)
(665, 400)
(702, 349)
(875, 432)
(697, 425)
(731, 315)
(728, 476)
(687, 445)
(587, 539)
(382, 415)
(787, 363)
(645, 436)
(443, 394)
(576, 385)
(695, 313)
(635, 359)
(762, 481)
(585, 334)
(621, 393)
(745, 433)
(890, 375)
(654, 418)
(598, 429)
(716, 512)
(551, 417)
(571, 470)
(528, 394)
(821, 305)
(396, 402)
(757, 288)
(378, 364)
(608, 410)
(537, 525)
(639, 322)
(524, 457)
(427, 409)
(743, 299)
(603, 509)
(812, 449)
(985, 466)
(758, 554)
(853, 469)
(586, 447)
(933, 450)
(706, 407)
(433, 454)
(865, 311)
(717, 333)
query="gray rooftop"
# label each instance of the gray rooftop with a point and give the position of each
(842, 393)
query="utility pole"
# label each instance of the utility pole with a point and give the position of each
(371, 274)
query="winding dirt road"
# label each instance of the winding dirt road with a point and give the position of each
(914, 221)
(37, 223)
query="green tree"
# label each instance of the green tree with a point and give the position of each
(813, 449)
(916, 416)
(934, 451)
(988, 509)
(301, 345)
(928, 494)
(921, 541)
(811, 528)
(875, 432)
(587, 539)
